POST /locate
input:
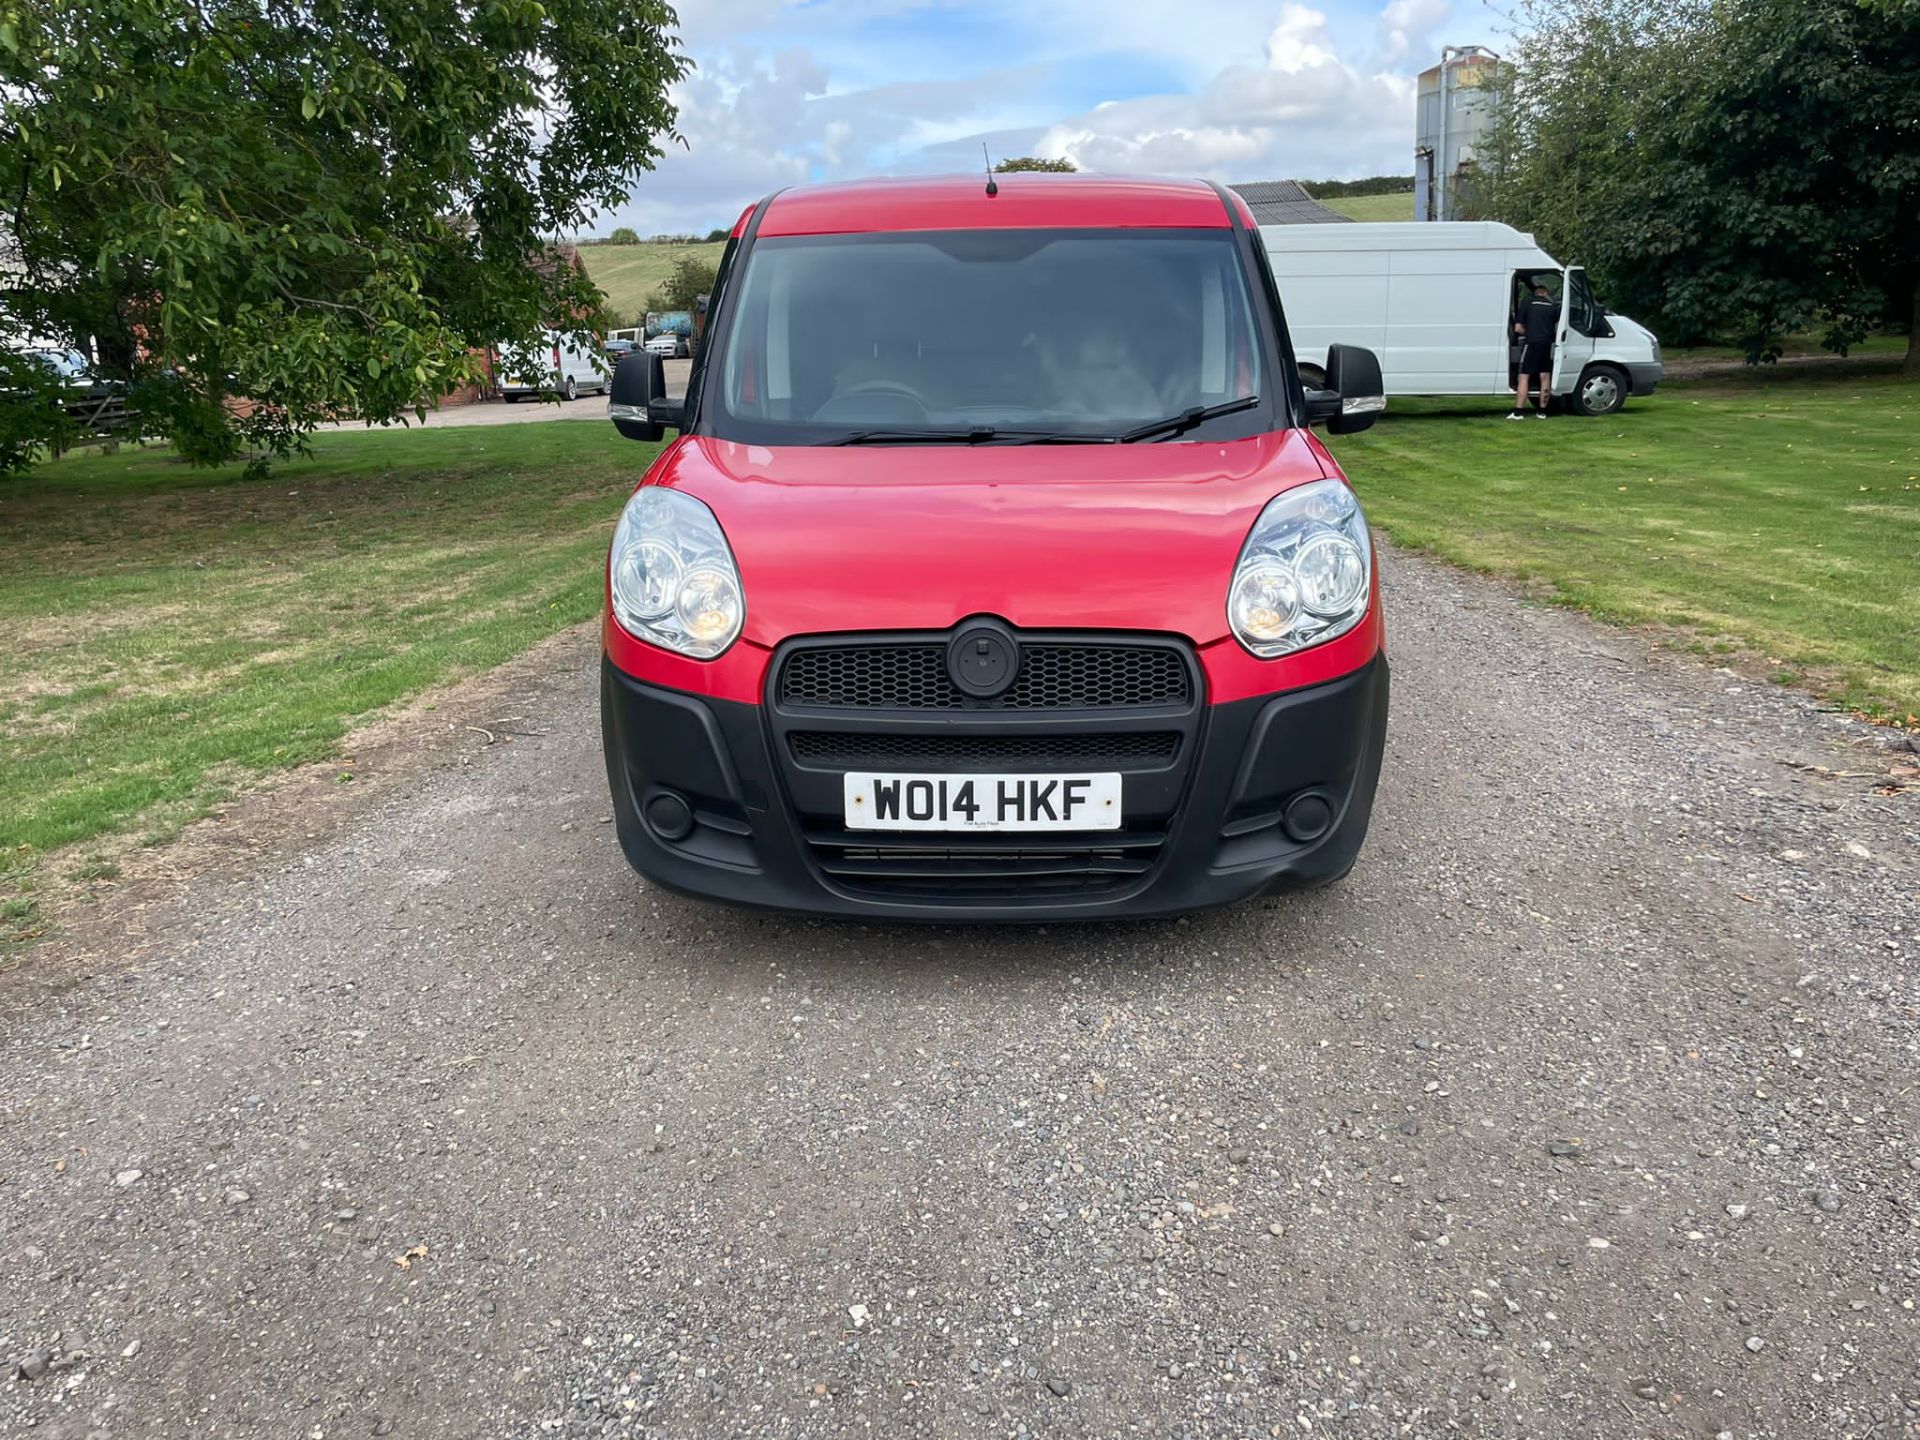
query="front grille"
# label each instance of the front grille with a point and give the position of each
(1054, 675)
(1079, 703)
(1133, 750)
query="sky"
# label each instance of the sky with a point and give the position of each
(788, 91)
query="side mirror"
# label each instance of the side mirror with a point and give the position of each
(1354, 373)
(638, 404)
(1355, 393)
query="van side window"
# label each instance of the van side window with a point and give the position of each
(1584, 312)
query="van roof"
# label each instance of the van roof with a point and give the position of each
(1026, 201)
(1398, 235)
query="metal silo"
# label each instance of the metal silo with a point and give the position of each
(1453, 116)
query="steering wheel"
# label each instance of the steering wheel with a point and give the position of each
(891, 389)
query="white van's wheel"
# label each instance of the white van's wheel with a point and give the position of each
(1601, 391)
(571, 389)
(1313, 377)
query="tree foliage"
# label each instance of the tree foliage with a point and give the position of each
(690, 278)
(1728, 167)
(260, 216)
(1020, 163)
(624, 235)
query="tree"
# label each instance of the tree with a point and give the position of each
(1741, 167)
(718, 237)
(260, 216)
(690, 278)
(1020, 163)
(624, 235)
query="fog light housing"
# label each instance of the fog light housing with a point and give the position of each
(1308, 816)
(668, 815)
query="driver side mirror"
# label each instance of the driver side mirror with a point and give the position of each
(638, 404)
(1355, 393)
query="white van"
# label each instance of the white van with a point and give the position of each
(570, 370)
(1436, 303)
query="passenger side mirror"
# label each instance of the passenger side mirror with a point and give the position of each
(1355, 394)
(638, 404)
(1354, 382)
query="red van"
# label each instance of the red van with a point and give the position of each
(994, 573)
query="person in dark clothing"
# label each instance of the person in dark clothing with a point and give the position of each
(1535, 323)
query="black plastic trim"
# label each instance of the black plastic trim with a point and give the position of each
(720, 312)
(1253, 255)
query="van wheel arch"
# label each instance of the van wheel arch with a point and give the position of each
(1601, 390)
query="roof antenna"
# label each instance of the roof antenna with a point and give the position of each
(993, 186)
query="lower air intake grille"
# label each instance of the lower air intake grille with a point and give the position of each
(987, 867)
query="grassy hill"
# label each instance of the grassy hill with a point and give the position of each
(1369, 207)
(630, 273)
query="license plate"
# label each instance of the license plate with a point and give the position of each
(982, 802)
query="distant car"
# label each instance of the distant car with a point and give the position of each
(618, 350)
(74, 369)
(667, 343)
(570, 370)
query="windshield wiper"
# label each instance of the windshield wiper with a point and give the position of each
(972, 435)
(1187, 419)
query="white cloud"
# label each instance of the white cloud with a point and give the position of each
(1299, 42)
(1407, 28)
(1305, 114)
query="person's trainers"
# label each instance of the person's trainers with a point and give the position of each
(1539, 414)
(1516, 415)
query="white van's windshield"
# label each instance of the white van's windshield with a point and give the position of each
(991, 335)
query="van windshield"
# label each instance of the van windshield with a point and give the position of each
(1010, 335)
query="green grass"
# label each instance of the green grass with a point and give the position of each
(174, 634)
(1761, 515)
(631, 273)
(1373, 207)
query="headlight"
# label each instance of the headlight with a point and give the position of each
(674, 580)
(1306, 572)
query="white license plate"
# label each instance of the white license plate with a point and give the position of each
(982, 802)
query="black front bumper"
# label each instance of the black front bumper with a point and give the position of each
(712, 799)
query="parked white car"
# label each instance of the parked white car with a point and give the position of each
(667, 343)
(571, 371)
(1436, 303)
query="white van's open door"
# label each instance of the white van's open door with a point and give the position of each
(1571, 349)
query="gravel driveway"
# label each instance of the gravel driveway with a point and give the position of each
(1586, 1107)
